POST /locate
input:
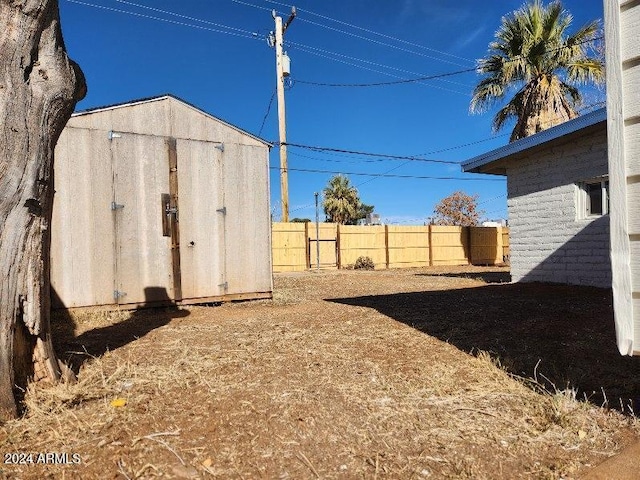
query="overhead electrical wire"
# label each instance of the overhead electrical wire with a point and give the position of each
(186, 17)
(313, 52)
(395, 39)
(273, 95)
(430, 57)
(230, 30)
(411, 80)
(368, 154)
(339, 160)
(419, 177)
(378, 84)
(376, 64)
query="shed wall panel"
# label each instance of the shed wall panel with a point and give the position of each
(248, 220)
(82, 243)
(190, 123)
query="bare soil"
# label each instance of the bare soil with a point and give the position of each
(420, 373)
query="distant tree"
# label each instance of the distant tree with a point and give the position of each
(300, 220)
(533, 55)
(39, 90)
(341, 201)
(363, 211)
(457, 209)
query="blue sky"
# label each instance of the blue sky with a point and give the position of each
(214, 54)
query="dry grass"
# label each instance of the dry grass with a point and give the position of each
(302, 387)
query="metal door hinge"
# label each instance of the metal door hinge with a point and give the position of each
(113, 135)
(220, 147)
(222, 210)
(117, 294)
(116, 206)
(224, 285)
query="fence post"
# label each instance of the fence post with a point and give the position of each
(469, 236)
(386, 244)
(338, 248)
(430, 233)
(307, 245)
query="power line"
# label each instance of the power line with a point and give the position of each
(370, 154)
(377, 71)
(377, 42)
(378, 84)
(311, 49)
(412, 80)
(376, 33)
(230, 31)
(492, 199)
(460, 146)
(419, 177)
(337, 160)
(273, 95)
(167, 12)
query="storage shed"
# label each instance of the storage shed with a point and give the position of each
(159, 202)
(558, 202)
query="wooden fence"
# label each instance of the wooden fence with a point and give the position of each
(295, 245)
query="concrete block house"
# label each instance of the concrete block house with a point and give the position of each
(558, 202)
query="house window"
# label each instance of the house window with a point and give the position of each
(593, 198)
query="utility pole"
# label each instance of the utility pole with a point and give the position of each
(317, 234)
(282, 125)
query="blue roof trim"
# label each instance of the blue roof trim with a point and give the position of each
(540, 138)
(163, 97)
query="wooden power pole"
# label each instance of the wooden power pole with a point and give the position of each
(282, 125)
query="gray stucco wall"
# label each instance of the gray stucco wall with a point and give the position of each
(549, 240)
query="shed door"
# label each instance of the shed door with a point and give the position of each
(202, 219)
(143, 270)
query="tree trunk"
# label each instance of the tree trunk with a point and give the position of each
(39, 87)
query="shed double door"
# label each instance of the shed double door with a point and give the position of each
(142, 255)
(152, 263)
(202, 220)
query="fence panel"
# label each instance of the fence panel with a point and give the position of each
(408, 246)
(328, 245)
(486, 245)
(363, 241)
(294, 245)
(289, 247)
(506, 249)
(450, 245)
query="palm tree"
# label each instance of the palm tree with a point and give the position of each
(341, 201)
(533, 54)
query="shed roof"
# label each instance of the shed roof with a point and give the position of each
(165, 97)
(491, 162)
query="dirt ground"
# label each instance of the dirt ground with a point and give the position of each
(418, 373)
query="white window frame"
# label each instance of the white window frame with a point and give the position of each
(583, 204)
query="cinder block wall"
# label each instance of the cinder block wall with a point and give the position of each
(549, 242)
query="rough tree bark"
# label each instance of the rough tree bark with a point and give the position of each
(39, 87)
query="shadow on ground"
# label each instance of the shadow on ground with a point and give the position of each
(487, 277)
(76, 350)
(563, 332)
